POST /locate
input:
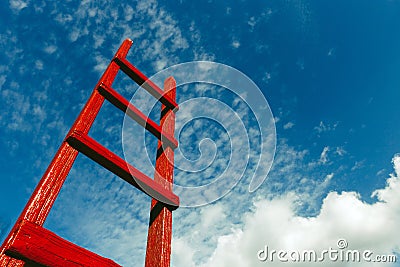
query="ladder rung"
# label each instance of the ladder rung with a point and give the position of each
(120, 102)
(145, 82)
(35, 243)
(120, 167)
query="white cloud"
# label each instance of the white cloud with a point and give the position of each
(74, 35)
(267, 76)
(109, 226)
(252, 22)
(185, 254)
(117, 223)
(101, 63)
(50, 49)
(358, 165)
(340, 151)
(157, 37)
(323, 127)
(17, 5)
(3, 79)
(380, 172)
(291, 173)
(211, 215)
(324, 155)
(17, 118)
(39, 64)
(331, 52)
(104, 215)
(343, 215)
(235, 44)
(129, 12)
(3, 227)
(328, 178)
(63, 18)
(288, 125)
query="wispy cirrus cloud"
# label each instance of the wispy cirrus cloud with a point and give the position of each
(324, 155)
(288, 125)
(4, 227)
(291, 169)
(325, 127)
(102, 213)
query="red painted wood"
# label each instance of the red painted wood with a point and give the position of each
(147, 84)
(120, 167)
(120, 102)
(159, 237)
(44, 195)
(35, 243)
(6, 261)
(92, 107)
(46, 192)
(29, 241)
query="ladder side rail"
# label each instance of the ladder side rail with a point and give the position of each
(158, 251)
(112, 162)
(142, 80)
(121, 103)
(36, 244)
(38, 206)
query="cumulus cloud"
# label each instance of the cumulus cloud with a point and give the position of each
(275, 223)
(103, 214)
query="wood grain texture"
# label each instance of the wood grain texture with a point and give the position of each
(35, 243)
(159, 237)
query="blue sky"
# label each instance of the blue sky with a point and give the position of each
(329, 70)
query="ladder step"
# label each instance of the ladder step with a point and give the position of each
(35, 243)
(121, 168)
(145, 82)
(120, 102)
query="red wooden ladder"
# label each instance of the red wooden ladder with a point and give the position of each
(30, 244)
